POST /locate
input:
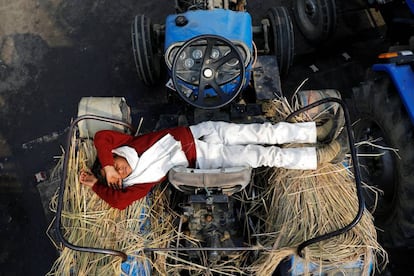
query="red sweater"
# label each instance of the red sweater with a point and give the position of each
(107, 140)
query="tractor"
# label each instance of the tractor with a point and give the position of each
(218, 67)
(209, 66)
(385, 117)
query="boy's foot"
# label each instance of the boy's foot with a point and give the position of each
(333, 152)
(324, 129)
(329, 117)
(87, 178)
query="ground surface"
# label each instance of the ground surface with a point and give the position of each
(53, 52)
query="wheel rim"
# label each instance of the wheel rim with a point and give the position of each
(316, 19)
(378, 167)
(309, 13)
(310, 10)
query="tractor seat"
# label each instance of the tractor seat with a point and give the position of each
(228, 180)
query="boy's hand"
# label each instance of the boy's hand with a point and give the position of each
(87, 179)
(113, 178)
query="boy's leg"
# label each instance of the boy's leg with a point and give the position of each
(243, 134)
(213, 156)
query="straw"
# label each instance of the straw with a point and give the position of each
(88, 221)
(305, 204)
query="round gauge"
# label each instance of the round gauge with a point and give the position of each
(215, 54)
(197, 54)
(188, 63)
(232, 62)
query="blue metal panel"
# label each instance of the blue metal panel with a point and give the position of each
(403, 79)
(135, 266)
(298, 267)
(410, 4)
(235, 26)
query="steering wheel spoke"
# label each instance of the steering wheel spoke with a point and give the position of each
(201, 91)
(205, 100)
(227, 58)
(207, 53)
(220, 93)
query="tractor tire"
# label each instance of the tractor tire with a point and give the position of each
(381, 114)
(187, 5)
(281, 38)
(316, 19)
(145, 50)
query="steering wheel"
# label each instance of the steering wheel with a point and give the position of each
(208, 71)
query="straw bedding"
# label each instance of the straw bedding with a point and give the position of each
(304, 205)
(88, 221)
(288, 207)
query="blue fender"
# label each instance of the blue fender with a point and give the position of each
(403, 79)
(235, 26)
(410, 4)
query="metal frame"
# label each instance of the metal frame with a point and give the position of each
(357, 176)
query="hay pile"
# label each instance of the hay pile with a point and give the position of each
(303, 205)
(294, 206)
(89, 221)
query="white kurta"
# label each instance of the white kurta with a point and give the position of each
(224, 145)
(156, 161)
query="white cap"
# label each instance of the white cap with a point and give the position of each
(130, 154)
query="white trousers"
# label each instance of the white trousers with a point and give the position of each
(223, 145)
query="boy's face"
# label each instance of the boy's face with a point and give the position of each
(121, 166)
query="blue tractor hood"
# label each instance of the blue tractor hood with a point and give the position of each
(235, 26)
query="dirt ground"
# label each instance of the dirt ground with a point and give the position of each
(54, 52)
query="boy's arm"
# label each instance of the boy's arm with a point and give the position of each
(121, 199)
(107, 140)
